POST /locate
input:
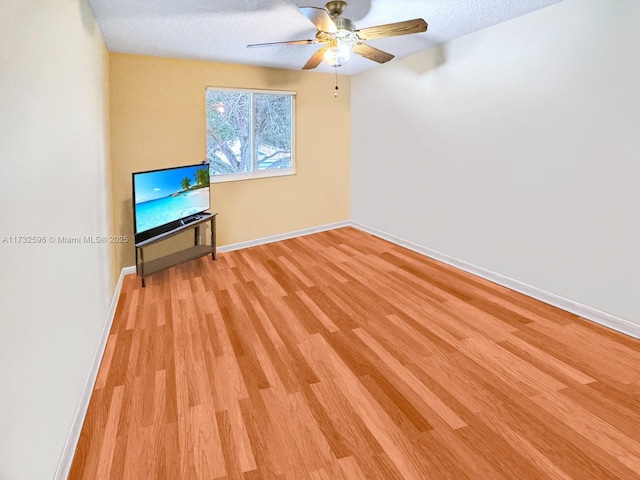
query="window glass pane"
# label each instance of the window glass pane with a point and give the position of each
(273, 131)
(229, 132)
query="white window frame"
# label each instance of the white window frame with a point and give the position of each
(276, 172)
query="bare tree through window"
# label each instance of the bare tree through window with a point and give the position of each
(248, 131)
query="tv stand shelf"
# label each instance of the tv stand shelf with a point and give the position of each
(146, 268)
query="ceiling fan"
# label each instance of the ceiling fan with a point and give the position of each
(340, 37)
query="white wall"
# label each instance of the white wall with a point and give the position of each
(53, 181)
(516, 149)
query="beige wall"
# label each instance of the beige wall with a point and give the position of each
(158, 120)
(519, 151)
(53, 182)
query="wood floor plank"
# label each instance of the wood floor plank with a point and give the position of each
(538, 458)
(339, 355)
(604, 435)
(545, 362)
(615, 414)
(400, 371)
(561, 445)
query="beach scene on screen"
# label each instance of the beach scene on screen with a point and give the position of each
(165, 196)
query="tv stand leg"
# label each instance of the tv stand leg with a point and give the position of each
(140, 267)
(214, 254)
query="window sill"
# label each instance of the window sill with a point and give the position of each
(236, 177)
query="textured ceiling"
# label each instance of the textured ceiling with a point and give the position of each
(220, 30)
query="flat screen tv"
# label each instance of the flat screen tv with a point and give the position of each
(165, 199)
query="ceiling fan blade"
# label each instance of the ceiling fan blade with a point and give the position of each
(315, 59)
(320, 18)
(367, 51)
(290, 42)
(407, 27)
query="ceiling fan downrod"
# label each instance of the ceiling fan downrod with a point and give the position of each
(335, 9)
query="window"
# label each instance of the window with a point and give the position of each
(249, 133)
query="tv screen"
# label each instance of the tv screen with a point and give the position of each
(163, 199)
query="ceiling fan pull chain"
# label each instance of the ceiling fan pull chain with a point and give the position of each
(335, 95)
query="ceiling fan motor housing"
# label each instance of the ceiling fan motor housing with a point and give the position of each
(344, 24)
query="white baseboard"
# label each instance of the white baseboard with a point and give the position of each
(589, 313)
(283, 236)
(69, 449)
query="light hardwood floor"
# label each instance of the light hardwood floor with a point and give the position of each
(340, 355)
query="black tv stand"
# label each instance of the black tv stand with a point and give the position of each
(146, 268)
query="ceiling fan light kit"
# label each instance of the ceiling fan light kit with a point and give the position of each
(337, 53)
(340, 38)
